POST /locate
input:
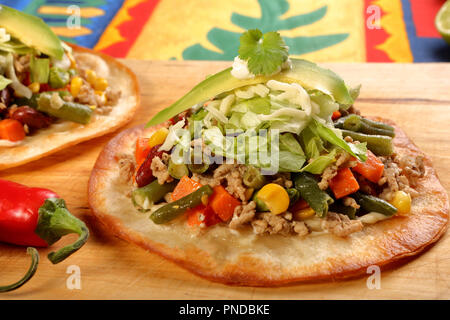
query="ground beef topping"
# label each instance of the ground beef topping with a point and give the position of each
(229, 173)
(127, 167)
(350, 202)
(340, 225)
(399, 174)
(267, 222)
(283, 179)
(243, 214)
(159, 169)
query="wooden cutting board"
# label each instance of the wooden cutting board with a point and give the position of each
(416, 96)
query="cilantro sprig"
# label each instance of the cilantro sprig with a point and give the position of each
(264, 53)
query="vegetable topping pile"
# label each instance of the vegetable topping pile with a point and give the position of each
(41, 81)
(274, 144)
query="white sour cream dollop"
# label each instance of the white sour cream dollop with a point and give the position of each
(240, 69)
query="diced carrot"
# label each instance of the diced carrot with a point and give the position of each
(223, 203)
(202, 214)
(336, 115)
(184, 187)
(344, 183)
(142, 150)
(372, 169)
(11, 130)
(299, 205)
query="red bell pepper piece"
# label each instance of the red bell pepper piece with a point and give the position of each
(344, 183)
(223, 203)
(202, 214)
(37, 217)
(336, 115)
(372, 169)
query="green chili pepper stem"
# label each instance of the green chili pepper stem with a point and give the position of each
(55, 221)
(30, 273)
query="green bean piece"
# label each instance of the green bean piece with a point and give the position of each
(377, 124)
(253, 178)
(293, 194)
(199, 164)
(177, 171)
(357, 123)
(380, 145)
(309, 190)
(175, 209)
(70, 111)
(143, 198)
(352, 122)
(373, 204)
(340, 208)
(58, 78)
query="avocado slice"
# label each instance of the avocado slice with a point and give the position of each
(308, 74)
(30, 30)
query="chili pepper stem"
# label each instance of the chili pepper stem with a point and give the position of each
(31, 271)
(56, 221)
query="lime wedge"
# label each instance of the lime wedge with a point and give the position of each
(443, 21)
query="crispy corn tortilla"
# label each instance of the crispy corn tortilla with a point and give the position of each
(243, 258)
(64, 134)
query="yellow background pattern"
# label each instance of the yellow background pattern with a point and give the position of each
(174, 27)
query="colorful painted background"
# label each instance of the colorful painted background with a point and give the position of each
(319, 30)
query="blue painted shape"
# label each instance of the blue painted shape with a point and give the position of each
(424, 49)
(16, 4)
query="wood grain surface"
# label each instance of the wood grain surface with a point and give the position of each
(415, 96)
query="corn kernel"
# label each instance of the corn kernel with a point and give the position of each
(35, 87)
(275, 197)
(93, 107)
(91, 76)
(75, 85)
(158, 137)
(304, 214)
(402, 201)
(102, 97)
(101, 84)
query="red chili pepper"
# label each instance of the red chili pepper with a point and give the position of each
(37, 217)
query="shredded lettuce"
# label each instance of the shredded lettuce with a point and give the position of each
(289, 143)
(319, 164)
(18, 87)
(357, 150)
(39, 69)
(174, 136)
(312, 143)
(290, 162)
